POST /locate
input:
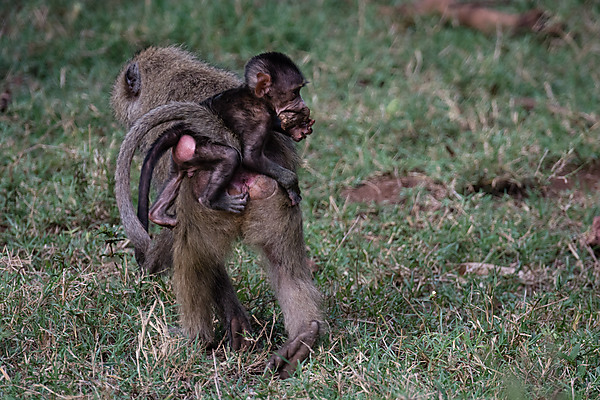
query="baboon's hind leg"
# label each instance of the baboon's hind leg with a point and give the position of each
(283, 245)
(232, 312)
(203, 241)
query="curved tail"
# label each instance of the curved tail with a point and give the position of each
(165, 141)
(176, 111)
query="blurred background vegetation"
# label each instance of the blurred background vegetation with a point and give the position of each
(463, 273)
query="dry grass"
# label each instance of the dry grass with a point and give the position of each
(471, 280)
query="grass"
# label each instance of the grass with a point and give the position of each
(405, 319)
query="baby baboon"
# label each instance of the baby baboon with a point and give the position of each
(272, 87)
(145, 99)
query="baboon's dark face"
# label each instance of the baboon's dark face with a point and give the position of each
(290, 107)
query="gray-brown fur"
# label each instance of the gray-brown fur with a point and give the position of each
(191, 114)
(175, 75)
(251, 111)
(199, 245)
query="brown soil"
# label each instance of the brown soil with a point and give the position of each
(585, 179)
(389, 189)
(500, 185)
(579, 182)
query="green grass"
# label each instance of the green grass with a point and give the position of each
(389, 97)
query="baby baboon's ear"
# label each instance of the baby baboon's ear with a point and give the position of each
(263, 84)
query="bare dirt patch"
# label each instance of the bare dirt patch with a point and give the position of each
(578, 181)
(391, 189)
(500, 185)
(584, 179)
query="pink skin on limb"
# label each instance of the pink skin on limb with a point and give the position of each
(257, 186)
(185, 149)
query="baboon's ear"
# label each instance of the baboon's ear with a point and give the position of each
(133, 80)
(263, 84)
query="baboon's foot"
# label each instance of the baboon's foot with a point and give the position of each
(285, 361)
(239, 333)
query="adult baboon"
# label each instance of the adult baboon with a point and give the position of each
(143, 99)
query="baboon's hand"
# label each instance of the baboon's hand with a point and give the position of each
(231, 203)
(286, 360)
(294, 195)
(236, 203)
